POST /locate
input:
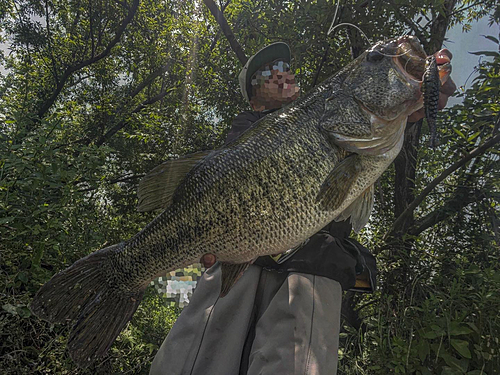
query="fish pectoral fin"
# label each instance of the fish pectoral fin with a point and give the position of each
(231, 272)
(158, 186)
(359, 211)
(338, 183)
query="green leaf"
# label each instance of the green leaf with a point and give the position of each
(473, 136)
(10, 308)
(492, 38)
(432, 334)
(448, 371)
(474, 327)
(21, 276)
(457, 329)
(459, 133)
(436, 328)
(462, 347)
(23, 311)
(486, 112)
(455, 363)
(423, 350)
(6, 220)
(486, 53)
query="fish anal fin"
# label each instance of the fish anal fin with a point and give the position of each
(359, 211)
(158, 186)
(336, 186)
(231, 272)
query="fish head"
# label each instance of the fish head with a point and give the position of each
(386, 79)
(370, 104)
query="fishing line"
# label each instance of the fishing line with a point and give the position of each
(334, 18)
(356, 27)
(332, 28)
(361, 31)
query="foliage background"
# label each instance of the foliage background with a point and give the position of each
(95, 93)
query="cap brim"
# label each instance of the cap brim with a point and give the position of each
(266, 55)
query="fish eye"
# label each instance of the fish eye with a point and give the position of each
(374, 56)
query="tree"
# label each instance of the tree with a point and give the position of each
(96, 93)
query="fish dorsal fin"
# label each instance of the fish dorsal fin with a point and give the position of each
(158, 186)
(359, 211)
(338, 183)
(231, 273)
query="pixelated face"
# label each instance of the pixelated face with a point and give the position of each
(273, 86)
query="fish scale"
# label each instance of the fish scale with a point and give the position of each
(284, 179)
(249, 235)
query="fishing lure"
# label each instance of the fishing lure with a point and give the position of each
(430, 88)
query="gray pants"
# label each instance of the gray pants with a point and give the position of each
(269, 324)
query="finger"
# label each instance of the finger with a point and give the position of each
(443, 58)
(443, 55)
(208, 260)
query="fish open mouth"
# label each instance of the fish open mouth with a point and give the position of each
(410, 59)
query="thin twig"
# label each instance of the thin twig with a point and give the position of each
(468, 7)
(323, 59)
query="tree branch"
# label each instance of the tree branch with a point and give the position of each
(116, 180)
(405, 167)
(70, 70)
(439, 26)
(465, 8)
(214, 42)
(49, 39)
(458, 164)
(221, 20)
(409, 22)
(461, 199)
(158, 72)
(323, 60)
(124, 122)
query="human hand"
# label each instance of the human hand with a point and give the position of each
(447, 88)
(208, 260)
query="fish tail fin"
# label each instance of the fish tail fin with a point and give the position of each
(82, 293)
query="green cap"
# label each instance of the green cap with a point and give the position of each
(266, 55)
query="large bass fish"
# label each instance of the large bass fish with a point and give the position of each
(292, 173)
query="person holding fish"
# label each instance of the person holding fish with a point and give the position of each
(298, 169)
(283, 315)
